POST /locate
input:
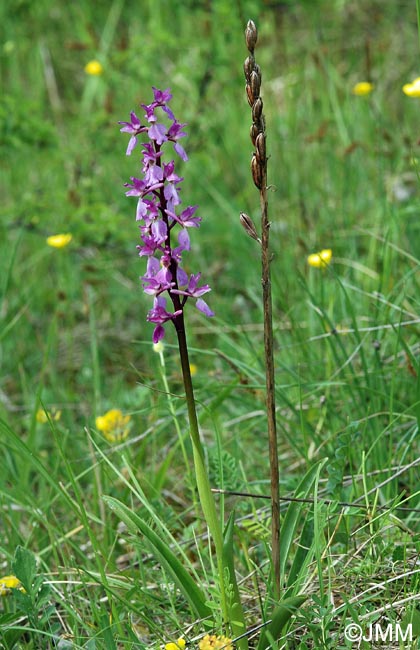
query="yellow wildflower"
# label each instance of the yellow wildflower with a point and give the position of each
(94, 68)
(7, 583)
(321, 259)
(413, 89)
(59, 241)
(215, 642)
(362, 88)
(179, 645)
(193, 369)
(42, 416)
(114, 425)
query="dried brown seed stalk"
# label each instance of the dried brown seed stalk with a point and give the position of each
(259, 176)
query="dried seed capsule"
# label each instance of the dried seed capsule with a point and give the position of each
(249, 95)
(249, 64)
(255, 83)
(253, 133)
(257, 107)
(260, 143)
(249, 226)
(251, 35)
(256, 172)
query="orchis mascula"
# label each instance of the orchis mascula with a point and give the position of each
(158, 214)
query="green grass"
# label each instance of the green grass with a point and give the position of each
(73, 333)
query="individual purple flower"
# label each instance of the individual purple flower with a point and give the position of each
(150, 156)
(162, 96)
(157, 279)
(184, 245)
(159, 315)
(134, 127)
(171, 192)
(159, 231)
(175, 132)
(159, 217)
(137, 187)
(158, 133)
(148, 247)
(194, 291)
(185, 218)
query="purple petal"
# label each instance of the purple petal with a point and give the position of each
(159, 231)
(153, 267)
(157, 132)
(162, 96)
(131, 144)
(184, 240)
(168, 112)
(181, 151)
(182, 277)
(203, 306)
(158, 333)
(141, 210)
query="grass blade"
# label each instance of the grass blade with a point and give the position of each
(188, 586)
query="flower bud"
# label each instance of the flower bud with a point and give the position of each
(251, 35)
(261, 148)
(256, 171)
(249, 226)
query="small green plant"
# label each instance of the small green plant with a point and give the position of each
(30, 597)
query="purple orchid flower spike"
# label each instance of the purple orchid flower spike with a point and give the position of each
(158, 214)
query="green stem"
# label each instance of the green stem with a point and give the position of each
(203, 484)
(418, 19)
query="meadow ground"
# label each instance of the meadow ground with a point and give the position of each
(74, 341)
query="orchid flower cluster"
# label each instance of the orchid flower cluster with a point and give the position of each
(158, 214)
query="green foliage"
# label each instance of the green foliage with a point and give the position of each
(236, 612)
(73, 337)
(289, 530)
(280, 617)
(187, 584)
(30, 602)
